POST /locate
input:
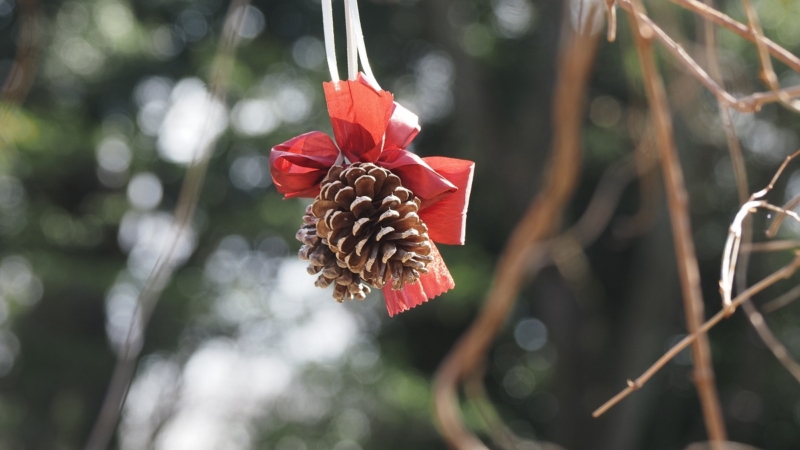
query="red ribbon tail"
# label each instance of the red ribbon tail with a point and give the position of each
(447, 218)
(432, 284)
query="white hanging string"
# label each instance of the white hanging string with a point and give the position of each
(362, 48)
(356, 48)
(352, 46)
(330, 44)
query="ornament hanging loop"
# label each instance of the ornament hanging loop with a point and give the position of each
(330, 44)
(356, 48)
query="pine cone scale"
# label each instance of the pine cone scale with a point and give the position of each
(361, 206)
(365, 186)
(340, 219)
(345, 196)
(388, 215)
(318, 208)
(392, 202)
(359, 224)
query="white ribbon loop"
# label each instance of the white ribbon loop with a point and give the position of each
(330, 44)
(356, 49)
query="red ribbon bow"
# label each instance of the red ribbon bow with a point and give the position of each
(370, 127)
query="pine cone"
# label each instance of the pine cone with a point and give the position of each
(370, 223)
(322, 261)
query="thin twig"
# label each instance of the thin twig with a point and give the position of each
(732, 244)
(742, 30)
(540, 220)
(729, 267)
(677, 201)
(22, 74)
(583, 233)
(748, 104)
(730, 253)
(603, 203)
(23, 70)
(776, 224)
(649, 190)
(737, 159)
(780, 274)
(771, 246)
(768, 71)
(475, 390)
(586, 230)
(166, 263)
(755, 101)
(784, 300)
(770, 340)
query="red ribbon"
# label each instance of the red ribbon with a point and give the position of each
(370, 127)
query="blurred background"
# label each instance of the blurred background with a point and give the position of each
(243, 351)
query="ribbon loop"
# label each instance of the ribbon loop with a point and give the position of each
(298, 165)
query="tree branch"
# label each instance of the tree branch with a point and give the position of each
(677, 201)
(541, 219)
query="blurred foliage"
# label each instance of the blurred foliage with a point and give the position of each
(242, 351)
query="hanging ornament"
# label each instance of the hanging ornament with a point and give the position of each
(378, 208)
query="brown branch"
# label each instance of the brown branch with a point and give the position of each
(776, 224)
(756, 319)
(165, 265)
(22, 73)
(735, 231)
(729, 266)
(598, 213)
(649, 192)
(780, 274)
(23, 70)
(755, 101)
(747, 104)
(540, 220)
(782, 301)
(677, 200)
(770, 340)
(737, 159)
(768, 71)
(771, 246)
(742, 30)
(475, 390)
(753, 315)
(583, 233)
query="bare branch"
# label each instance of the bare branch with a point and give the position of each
(677, 201)
(541, 219)
(737, 160)
(780, 274)
(771, 246)
(784, 300)
(768, 71)
(165, 265)
(747, 104)
(742, 30)
(649, 191)
(21, 76)
(733, 243)
(23, 70)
